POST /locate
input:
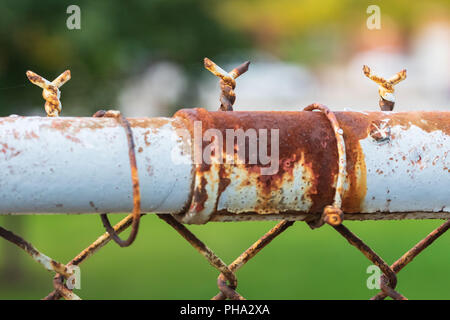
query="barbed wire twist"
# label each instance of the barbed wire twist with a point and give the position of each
(50, 92)
(385, 87)
(227, 82)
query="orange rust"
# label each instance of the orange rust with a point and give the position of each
(306, 139)
(303, 135)
(224, 180)
(200, 195)
(63, 125)
(34, 77)
(355, 128)
(73, 139)
(428, 121)
(333, 215)
(30, 135)
(342, 158)
(10, 119)
(354, 196)
(8, 151)
(146, 138)
(148, 122)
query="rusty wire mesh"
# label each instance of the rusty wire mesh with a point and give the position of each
(227, 281)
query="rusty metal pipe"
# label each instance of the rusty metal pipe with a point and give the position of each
(398, 165)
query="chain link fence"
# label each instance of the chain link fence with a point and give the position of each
(65, 280)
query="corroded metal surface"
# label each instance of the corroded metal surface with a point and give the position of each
(392, 174)
(371, 165)
(392, 161)
(332, 214)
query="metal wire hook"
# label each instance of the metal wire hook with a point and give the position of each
(135, 180)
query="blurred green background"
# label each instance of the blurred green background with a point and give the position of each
(300, 264)
(113, 58)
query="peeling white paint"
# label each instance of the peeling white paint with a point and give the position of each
(409, 173)
(82, 165)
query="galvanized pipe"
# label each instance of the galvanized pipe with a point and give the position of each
(398, 166)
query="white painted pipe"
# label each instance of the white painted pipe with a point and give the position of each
(81, 165)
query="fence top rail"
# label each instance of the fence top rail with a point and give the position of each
(393, 160)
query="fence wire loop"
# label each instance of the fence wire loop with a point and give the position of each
(333, 214)
(134, 178)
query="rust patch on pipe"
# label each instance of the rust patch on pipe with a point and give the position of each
(306, 141)
(8, 151)
(200, 195)
(428, 121)
(355, 193)
(148, 122)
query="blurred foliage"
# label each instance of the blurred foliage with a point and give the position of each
(116, 40)
(311, 31)
(300, 264)
(119, 40)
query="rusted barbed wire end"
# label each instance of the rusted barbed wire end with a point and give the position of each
(227, 82)
(243, 68)
(50, 92)
(385, 87)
